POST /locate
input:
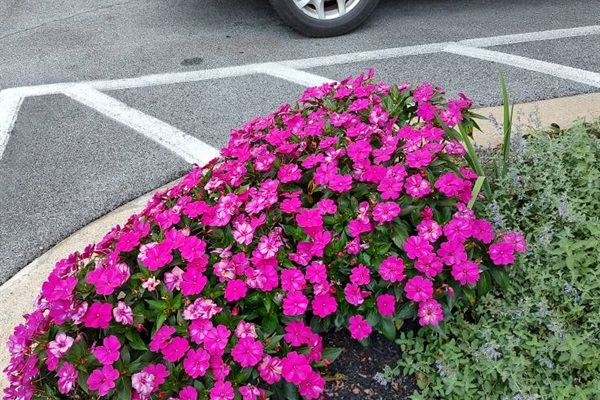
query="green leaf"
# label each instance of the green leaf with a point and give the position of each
(269, 323)
(400, 233)
(470, 293)
(158, 304)
(484, 285)
(135, 341)
(507, 127)
(388, 329)
(476, 190)
(407, 311)
(500, 277)
(331, 353)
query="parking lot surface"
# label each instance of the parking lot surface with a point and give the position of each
(103, 101)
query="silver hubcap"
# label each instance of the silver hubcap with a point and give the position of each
(326, 9)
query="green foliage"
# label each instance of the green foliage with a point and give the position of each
(540, 338)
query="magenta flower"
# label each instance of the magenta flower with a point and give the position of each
(123, 314)
(250, 392)
(289, 173)
(359, 327)
(467, 272)
(416, 186)
(222, 391)
(295, 367)
(429, 230)
(192, 248)
(386, 212)
(294, 303)
(354, 295)
(449, 184)
(312, 386)
(418, 289)
(160, 373)
(155, 255)
(417, 246)
(60, 345)
(192, 281)
(292, 280)
(235, 290)
(360, 275)
(392, 269)
(109, 352)
(430, 312)
(517, 240)
(161, 338)
(188, 393)
(324, 305)
(452, 253)
(67, 376)
(502, 253)
(245, 329)
(297, 333)
(98, 315)
(175, 349)
(429, 264)
(196, 362)
(143, 383)
(309, 218)
(216, 340)
(270, 369)
(247, 352)
(198, 329)
(103, 380)
(386, 304)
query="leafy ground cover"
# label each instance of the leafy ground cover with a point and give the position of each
(540, 337)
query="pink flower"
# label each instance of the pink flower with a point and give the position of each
(222, 391)
(198, 330)
(359, 327)
(160, 373)
(430, 312)
(292, 280)
(360, 275)
(502, 253)
(452, 253)
(416, 186)
(417, 246)
(175, 349)
(123, 314)
(245, 329)
(192, 248)
(429, 264)
(155, 255)
(60, 345)
(458, 230)
(188, 393)
(56, 288)
(250, 392)
(216, 340)
(143, 383)
(419, 158)
(386, 304)
(192, 281)
(103, 380)
(67, 376)
(340, 183)
(219, 368)
(392, 269)
(386, 212)
(354, 295)
(424, 92)
(309, 218)
(389, 188)
(429, 230)
(295, 367)
(449, 184)
(98, 315)
(161, 338)
(270, 369)
(418, 289)
(196, 362)
(247, 352)
(297, 333)
(517, 240)
(109, 352)
(324, 305)
(427, 111)
(466, 272)
(482, 230)
(294, 303)
(235, 290)
(289, 173)
(326, 206)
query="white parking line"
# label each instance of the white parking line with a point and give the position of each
(532, 36)
(10, 102)
(556, 70)
(293, 75)
(188, 147)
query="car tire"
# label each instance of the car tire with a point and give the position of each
(323, 27)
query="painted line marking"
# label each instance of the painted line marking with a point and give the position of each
(10, 103)
(293, 75)
(227, 72)
(532, 36)
(556, 70)
(192, 150)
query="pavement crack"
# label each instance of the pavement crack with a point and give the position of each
(45, 23)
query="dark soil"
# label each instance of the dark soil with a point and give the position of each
(351, 376)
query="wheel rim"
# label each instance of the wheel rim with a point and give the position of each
(326, 9)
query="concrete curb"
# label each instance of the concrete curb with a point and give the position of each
(18, 293)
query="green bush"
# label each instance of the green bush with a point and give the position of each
(540, 338)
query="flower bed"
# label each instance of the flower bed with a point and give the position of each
(350, 210)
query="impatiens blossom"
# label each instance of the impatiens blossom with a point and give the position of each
(341, 211)
(103, 379)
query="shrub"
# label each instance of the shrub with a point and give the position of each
(541, 337)
(344, 211)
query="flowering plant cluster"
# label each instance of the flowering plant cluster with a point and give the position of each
(348, 210)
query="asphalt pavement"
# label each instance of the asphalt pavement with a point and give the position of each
(66, 163)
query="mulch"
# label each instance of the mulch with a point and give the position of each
(352, 375)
